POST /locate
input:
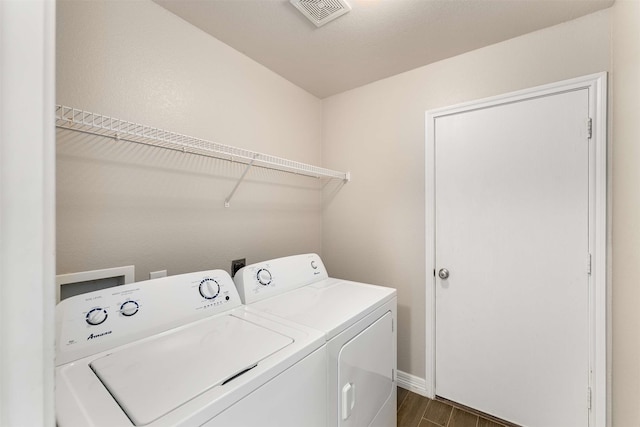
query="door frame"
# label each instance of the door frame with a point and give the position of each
(27, 212)
(599, 293)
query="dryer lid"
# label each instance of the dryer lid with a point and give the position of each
(154, 377)
(330, 305)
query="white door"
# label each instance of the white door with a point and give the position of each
(365, 376)
(512, 229)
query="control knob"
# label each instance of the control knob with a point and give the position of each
(96, 316)
(264, 276)
(209, 288)
(129, 308)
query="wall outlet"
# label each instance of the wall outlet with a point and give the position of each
(157, 274)
(236, 265)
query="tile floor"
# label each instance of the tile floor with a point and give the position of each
(418, 411)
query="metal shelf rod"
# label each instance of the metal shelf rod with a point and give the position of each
(96, 124)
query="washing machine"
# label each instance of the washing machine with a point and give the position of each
(183, 351)
(359, 324)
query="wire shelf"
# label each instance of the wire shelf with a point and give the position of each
(122, 130)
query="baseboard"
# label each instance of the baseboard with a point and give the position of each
(412, 383)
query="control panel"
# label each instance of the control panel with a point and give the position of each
(100, 320)
(263, 280)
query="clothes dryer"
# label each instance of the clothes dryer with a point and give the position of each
(183, 351)
(359, 323)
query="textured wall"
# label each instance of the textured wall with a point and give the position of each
(120, 204)
(625, 111)
(374, 228)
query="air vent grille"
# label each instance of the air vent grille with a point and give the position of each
(321, 11)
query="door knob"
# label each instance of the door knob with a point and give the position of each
(443, 273)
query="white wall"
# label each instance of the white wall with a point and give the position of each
(625, 112)
(121, 204)
(373, 228)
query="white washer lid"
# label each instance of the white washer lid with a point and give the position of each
(152, 378)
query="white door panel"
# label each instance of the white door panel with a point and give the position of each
(512, 216)
(365, 366)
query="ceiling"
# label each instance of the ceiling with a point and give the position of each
(376, 39)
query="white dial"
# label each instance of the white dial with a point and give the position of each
(209, 288)
(314, 265)
(96, 316)
(264, 276)
(129, 308)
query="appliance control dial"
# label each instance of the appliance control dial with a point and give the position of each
(96, 316)
(314, 264)
(264, 276)
(209, 288)
(129, 308)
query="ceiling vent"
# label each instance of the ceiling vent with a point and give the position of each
(321, 11)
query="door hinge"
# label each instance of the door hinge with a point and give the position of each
(589, 128)
(589, 264)
(588, 397)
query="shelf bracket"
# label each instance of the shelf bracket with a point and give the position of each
(228, 199)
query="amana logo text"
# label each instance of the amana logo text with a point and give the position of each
(92, 336)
